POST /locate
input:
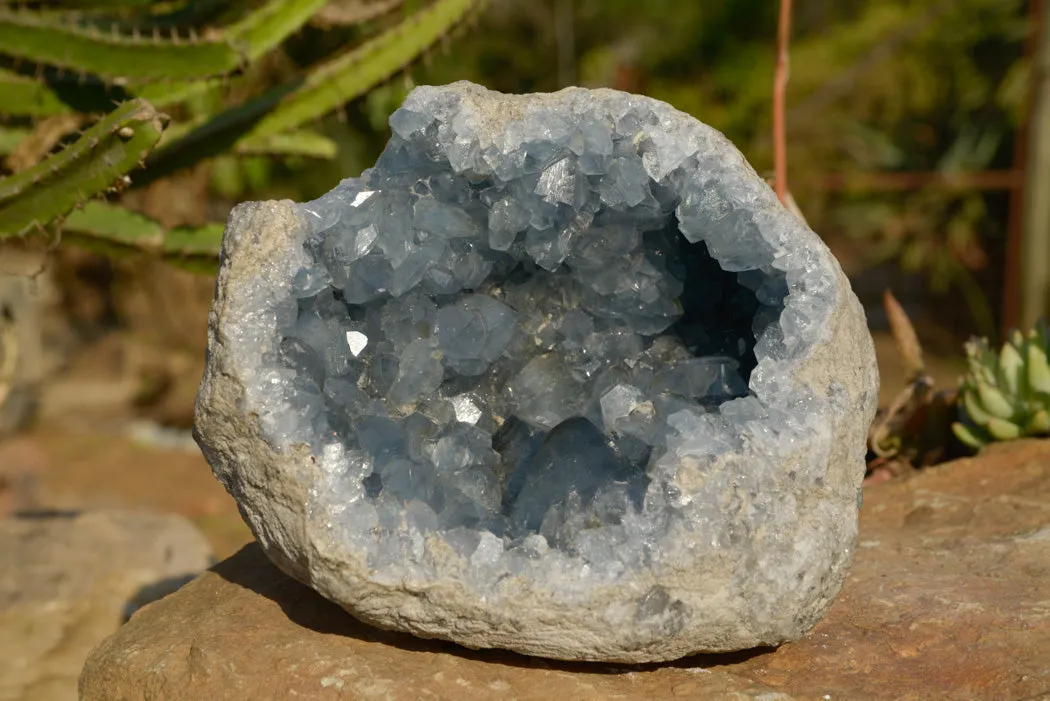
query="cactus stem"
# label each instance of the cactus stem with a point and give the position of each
(342, 79)
(85, 168)
(170, 64)
(65, 44)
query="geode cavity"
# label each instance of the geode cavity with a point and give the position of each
(557, 375)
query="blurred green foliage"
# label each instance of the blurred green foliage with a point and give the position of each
(242, 85)
(889, 86)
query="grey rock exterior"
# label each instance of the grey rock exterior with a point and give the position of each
(770, 521)
(25, 358)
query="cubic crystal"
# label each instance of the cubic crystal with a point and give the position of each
(357, 342)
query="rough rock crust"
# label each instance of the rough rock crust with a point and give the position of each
(723, 599)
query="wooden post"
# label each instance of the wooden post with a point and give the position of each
(1035, 254)
(780, 80)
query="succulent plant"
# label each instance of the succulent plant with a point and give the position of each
(1005, 395)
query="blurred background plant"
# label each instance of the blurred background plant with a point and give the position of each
(1006, 394)
(902, 115)
(130, 126)
(244, 93)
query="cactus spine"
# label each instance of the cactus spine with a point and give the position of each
(111, 55)
(88, 167)
(354, 73)
(189, 58)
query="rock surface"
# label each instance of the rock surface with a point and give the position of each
(948, 595)
(22, 348)
(68, 581)
(946, 599)
(380, 401)
(244, 630)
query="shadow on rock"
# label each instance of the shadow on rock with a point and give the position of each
(250, 568)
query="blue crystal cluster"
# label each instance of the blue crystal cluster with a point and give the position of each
(510, 331)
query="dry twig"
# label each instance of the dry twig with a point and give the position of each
(915, 429)
(905, 337)
(8, 353)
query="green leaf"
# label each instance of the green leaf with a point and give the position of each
(994, 401)
(973, 409)
(10, 137)
(113, 230)
(286, 108)
(1038, 368)
(29, 36)
(114, 225)
(299, 143)
(1039, 424)
(266, 27)
(166, 93)
(1011, 370)
(969, 436)
(22, 96)
(1003, 430)
(194, 248)
(351, 75)
(194, 241)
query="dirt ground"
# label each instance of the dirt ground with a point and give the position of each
(63, 467)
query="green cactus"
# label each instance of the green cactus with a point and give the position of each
(115, 231)
(22, 96)
(90, 166)
(115, 56)
(127, 55)
(354, 73)
(265, 28)
(200, 61)
(252, 125)
(1005, 395)
(10, 137)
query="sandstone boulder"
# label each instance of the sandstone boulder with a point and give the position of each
(67, 580)
(946, 599)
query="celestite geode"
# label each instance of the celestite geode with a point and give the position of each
(557, 375)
